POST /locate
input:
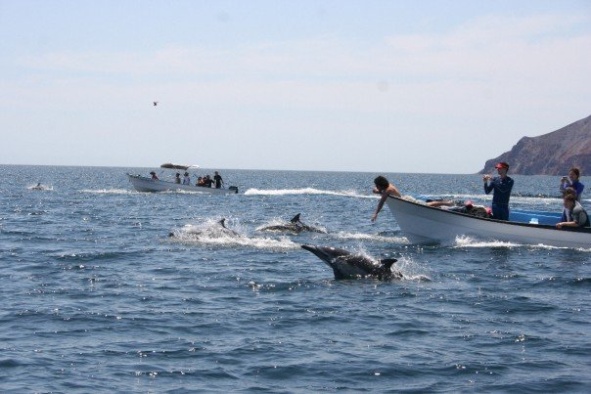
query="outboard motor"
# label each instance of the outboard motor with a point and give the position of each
(234, 189)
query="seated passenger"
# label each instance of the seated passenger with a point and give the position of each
(460, 206)
(574, 215)
(200, 181)
(444, 203)
(177, 178)
(208, 181)
(154, 175)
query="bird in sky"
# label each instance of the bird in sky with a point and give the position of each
(155, 103)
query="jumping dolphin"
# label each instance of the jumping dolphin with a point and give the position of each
(225, 230)
(217, 230)
(353, 266)
(295, 226)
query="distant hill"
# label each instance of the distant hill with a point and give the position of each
(550, 154)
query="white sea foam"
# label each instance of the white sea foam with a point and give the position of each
(108, 191)
(371, 237)
(305, 191)
(468, 242)
(283, 243)
(212, 233)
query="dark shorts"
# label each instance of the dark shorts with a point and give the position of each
(500, 212)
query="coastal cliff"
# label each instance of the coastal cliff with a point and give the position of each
(550, 154)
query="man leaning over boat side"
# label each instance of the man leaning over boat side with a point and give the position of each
(502, 186)
(574, 214)
(385, 188)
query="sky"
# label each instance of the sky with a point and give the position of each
(329, 85)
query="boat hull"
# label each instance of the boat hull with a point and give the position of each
(425, 224)
(146, 184)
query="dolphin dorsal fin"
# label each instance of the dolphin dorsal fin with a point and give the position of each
(296, 218)
(388, 262)
(223, 222)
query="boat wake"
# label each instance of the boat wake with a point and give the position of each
(469, 242)
(305, 191)
(371, 237)
(107, 191)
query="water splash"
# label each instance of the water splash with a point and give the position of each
(212, 233)
(371, 237)
(469, 242)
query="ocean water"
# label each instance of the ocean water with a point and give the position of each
(98, 298)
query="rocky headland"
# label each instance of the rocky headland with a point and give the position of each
(550, 154)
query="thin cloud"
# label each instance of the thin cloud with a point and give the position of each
(400, 89)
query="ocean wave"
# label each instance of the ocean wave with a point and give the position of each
(305, 191)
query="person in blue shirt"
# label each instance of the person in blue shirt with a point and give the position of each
(572, 181)
(502, 186)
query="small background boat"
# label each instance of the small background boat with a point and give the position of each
(147, 184)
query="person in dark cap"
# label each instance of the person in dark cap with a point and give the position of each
(154, 175)
(502, 186)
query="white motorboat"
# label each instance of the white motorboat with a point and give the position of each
(147, 184)
(425, 224)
